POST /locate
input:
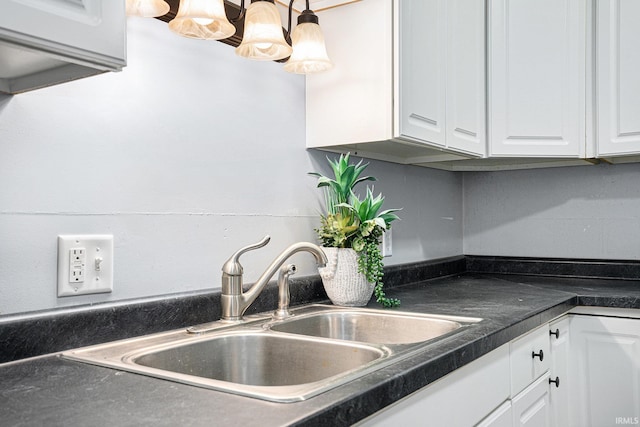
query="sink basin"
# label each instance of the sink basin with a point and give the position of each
(260, 359)
(320, 347)
(243, 359)
(370, 327)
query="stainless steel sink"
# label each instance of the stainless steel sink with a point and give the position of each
(319, 348)
(371, 326)
(259, 358)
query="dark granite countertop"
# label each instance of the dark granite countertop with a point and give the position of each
(49, 391)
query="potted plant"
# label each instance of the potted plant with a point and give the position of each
(350, 233)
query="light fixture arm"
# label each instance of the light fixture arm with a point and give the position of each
(240, 14)
(288, 36)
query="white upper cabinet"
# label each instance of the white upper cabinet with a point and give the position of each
(353, 102)
(409, 85)
(617, 77)
(442, 78)
(44, 42)
(466, 79)
(423, 35)
(537, 78)
(406, 85)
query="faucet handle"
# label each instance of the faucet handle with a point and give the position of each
(232, 267)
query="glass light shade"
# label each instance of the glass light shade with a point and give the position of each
(147, 8)
(263, 38)
(202, 19)
(309, 52)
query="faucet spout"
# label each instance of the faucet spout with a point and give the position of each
(234, 301)
(284, 296)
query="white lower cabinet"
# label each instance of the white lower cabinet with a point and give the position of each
(529, 359)
(605, 355)
(532, 407)
(501, 417)
(462, 398)
(530, 364)
(559, 371)
(580, 370)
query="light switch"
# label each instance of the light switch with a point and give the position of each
(85, 264)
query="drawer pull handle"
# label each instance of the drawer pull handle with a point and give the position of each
(556, 382)
(540, 355)
(556, 333)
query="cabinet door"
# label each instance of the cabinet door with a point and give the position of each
(559, 393)
(617, 76)
(93, 30)
(466, 84)
(501, 417)
(422, 70)
(605, 371)
(531, 408)
(537, 78)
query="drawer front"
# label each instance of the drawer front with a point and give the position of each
(530, 358)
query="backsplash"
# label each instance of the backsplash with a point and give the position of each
(37, 333)
(589, 212)
(186, 155)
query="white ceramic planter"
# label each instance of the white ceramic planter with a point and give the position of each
(341, 280)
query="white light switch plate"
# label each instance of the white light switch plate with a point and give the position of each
(85, 264)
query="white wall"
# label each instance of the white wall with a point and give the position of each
(576, 212)
(186, 155)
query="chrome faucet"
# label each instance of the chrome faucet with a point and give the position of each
(234, 301)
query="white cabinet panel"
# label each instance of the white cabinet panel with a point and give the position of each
(531, 408)
(353, 102)
(442, 77)
(422, 70)
(537, 78)
(559, 369)
(618, 78)
(465, 83)
(606, 370)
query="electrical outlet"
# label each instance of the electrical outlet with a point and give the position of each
(85, 264)
(77, 259)
(387, 243)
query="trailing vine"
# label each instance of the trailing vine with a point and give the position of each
(370, 264)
